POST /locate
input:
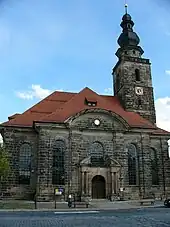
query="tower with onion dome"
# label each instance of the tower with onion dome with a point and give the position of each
(132, 73)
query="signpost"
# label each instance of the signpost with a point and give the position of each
(57, 191)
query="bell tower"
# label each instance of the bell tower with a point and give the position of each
(132, 73)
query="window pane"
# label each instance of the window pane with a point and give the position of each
(58, 163)
(132, 164)
(97, 154)
(24, 164)
(154, 167)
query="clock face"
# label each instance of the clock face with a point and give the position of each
(97, 122)
(139, 90)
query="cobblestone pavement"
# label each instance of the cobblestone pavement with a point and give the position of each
(148, 217)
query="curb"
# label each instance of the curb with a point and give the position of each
(82, 209)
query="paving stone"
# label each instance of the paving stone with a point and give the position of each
(152, 217)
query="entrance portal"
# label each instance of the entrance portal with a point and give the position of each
(98, 187)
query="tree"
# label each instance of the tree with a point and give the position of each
(4, 165)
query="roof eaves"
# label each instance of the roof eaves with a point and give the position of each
(143, 126)
(47, 122)
(15, 126)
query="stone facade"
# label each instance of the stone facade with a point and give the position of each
(78, 135)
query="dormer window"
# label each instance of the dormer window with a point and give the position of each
(90, 102)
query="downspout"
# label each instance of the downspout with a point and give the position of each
(163, 167)
(143, 166)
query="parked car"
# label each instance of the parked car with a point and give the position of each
(167, 203)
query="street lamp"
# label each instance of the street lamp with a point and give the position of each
(121, 188)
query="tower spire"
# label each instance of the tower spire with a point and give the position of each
(128, 39)
(126, 8)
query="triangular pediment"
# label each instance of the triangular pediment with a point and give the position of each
(85, 161)
(114, 163)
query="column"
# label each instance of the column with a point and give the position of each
(89, 185)
(115, 182)
(112, 182)
(87, 181)
(109, 184)
(82, 183)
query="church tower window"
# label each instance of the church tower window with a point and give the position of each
(58, 163)
(25, 164)
(137, 74)
(132, 164)
(154, 167)
(139, 102)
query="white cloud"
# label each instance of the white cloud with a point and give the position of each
(36, 91)
(167, 72)
(162, 106)
(108, 90)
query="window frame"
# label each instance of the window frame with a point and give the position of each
(97, 154)
(58, 163)
(154, 167)
(133, 166)
(25, 159)
(137, 75)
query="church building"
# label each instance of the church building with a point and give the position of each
(90, 145)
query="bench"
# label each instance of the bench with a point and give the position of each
(80, 204)
(146, 201)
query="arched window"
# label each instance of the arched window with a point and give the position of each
(132, 164)
(154, 167)
(97, 154)
(58, 163)
(137, 74)
(24, 164)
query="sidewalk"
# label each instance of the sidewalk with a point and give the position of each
(97, 206)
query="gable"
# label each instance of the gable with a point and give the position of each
(107, 121)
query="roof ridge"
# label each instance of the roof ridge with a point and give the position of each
(70, 100)
(39, 102)
(59, 109)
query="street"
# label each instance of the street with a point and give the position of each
(150, 217)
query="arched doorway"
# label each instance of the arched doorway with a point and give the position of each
(98, 187)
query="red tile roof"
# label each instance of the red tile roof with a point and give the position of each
(59, 106)
(13, 116)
